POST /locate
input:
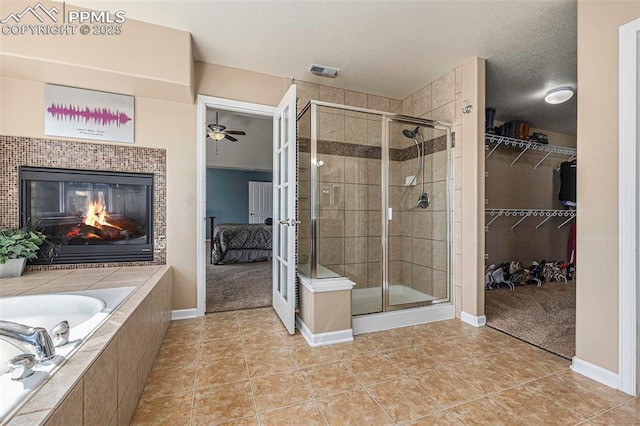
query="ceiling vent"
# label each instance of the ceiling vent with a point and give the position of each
(324, 71)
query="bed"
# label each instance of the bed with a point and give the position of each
(241, 243)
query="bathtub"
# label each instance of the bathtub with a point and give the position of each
(84, 310)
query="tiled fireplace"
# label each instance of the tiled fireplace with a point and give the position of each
(90, 216)
(103, 205)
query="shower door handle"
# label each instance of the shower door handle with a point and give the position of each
(288, 222)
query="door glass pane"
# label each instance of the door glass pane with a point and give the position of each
(285, 135)
(278, 128)
(284, 228)
(284, 163)
(283, 280)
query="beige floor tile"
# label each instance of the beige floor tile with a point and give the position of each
(228, 367)
(245, 421)
(295, 341)
(170, 381)
(359, 347)
(302, 414)
(220, 348)
(270, 362)
(486, 412)
(307, 356)
(447, 388)
(188, 324)
(220, 330)
(527, 404)
(220, 317)
(441, 352)
(168, 410)
(483, 375)
(222, 403)
(279, 390)
(443, 418)
(625, 414)
(549, 362)
(382, 341)
(411, 360)
(585, 397)
(403, 399)
(329, 379)
(178, 337)
(220, 371)
(174, 356)
(262, 342)
(372, 369)
(519, 368)
(353, 408)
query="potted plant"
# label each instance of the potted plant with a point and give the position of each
(16, 247)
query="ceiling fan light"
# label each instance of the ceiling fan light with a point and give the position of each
(559, 95)
(216, 136)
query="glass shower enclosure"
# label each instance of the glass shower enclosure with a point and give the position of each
(374, 205)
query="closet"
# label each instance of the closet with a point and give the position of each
(524, 219)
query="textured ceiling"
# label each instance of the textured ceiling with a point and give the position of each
(389, 48)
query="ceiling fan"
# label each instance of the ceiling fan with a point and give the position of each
(217, 132)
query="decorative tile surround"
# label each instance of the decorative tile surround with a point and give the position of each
(23, 151)
(348, 149)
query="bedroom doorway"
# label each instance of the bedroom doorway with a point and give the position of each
(238, 198)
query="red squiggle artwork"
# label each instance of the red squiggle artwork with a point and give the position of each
(103, 116)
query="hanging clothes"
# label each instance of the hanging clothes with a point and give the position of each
(567, 193)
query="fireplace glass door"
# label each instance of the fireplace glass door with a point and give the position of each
(91, 216)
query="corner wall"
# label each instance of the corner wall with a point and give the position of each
(597, 190)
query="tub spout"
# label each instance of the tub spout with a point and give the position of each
(35, 336)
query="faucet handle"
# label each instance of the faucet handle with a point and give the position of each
(60, 333)
(21, 366)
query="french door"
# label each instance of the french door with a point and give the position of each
(284, 209)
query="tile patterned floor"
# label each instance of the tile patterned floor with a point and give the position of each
(242, 368)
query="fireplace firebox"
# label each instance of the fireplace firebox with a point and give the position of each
(91, 216)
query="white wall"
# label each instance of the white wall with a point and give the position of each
(252, 152)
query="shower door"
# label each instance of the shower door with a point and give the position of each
(418, 224)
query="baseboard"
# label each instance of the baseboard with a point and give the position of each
(595, 372)
(324, 339)
(476, 321)
(180, 314)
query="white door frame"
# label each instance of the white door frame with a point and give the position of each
(201, 210)
(627, 201)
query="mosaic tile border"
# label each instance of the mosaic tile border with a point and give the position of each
(25, 151)
(374, 152)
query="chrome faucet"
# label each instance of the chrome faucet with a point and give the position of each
(35, 336)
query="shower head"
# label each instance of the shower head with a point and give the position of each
(423, 201)
(411, 134)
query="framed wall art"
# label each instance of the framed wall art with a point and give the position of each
(88, 114)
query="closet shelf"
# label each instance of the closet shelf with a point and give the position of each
(498, 140)
(525, 213)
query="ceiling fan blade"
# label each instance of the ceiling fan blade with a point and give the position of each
(211, 127)
(231, 138)
(235, 132)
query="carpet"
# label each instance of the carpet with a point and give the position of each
(544, 316)
(238, 286)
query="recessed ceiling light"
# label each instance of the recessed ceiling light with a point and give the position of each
(559, 95)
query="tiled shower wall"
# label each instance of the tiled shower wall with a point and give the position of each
(349, 193)
(423, 240)
(22, 151)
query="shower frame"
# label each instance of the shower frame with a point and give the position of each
(386, 119)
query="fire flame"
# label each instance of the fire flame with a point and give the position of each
(97, 215)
